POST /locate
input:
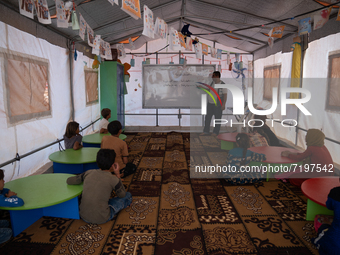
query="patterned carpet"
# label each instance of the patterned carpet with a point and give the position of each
(173, 214)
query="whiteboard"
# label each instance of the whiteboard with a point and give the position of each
(174, 86)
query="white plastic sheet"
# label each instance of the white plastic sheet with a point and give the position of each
(26, 136)
(315, 71)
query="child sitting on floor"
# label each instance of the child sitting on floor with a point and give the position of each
(96, 206)
(113, 142)
(104, 122)
(7, 199)
(241, 156)
(328, 237)
(72, 138)
(316, 153)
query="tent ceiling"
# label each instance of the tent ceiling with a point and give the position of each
(204, 16)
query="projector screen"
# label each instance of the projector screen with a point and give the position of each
(174, 86)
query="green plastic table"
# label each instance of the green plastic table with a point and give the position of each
(43, 195)
(74, 161)
(317, 190)
(94, 140)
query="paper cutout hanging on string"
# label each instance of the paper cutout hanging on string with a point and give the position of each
(82, 27)
(75, 23)
(174, 40)
(149, 29)
(188, 44)
(96, 45)
(102, 49)
(62, 20)
(321, 18)
(185, 31)
(121, 51)
(276, 32)
(198, 50)
(108, 53)
(113, 2)
(213, 52)
(205, 49)
(90, 36)
(131, 7)
(181, 40)
(132, 46)
(305, 26)
(26, 8)
(161, 28)
(270, 42)
(219, 54)
(228, 58)
(68, 12)
(43, 13)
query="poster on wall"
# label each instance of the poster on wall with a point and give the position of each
(132, 7)
(205, 49)
(82, 27)
(305, 26)
(90, 36)
(181, 40)
(43, 13)
(321, 18)
(26, 8)
(219, 54)
(161, 28)
(188, 44)
(62, 19)
(149, 29)
(102, 49)
(277, 32)
(121, 51)
(213, 52)
(198, 50)
(96, 45)
(108, 53)
(174, 40)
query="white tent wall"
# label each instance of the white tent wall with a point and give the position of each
(315, 70)
(285, 61)
(25, 136)
(84, 114)
(133, 100)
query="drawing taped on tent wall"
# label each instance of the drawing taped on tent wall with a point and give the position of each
(24, 136)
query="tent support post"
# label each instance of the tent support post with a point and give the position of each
(70, 56)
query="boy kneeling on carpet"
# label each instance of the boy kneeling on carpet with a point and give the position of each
(96, 206)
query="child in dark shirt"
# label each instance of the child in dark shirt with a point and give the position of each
(8, 198)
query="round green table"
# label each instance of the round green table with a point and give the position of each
(94, 140)
(43, 195)
(74, 161)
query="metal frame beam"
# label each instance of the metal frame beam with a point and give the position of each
(210, 28)
(129, 17)
(228, 22)
(135, 33)
(137, 27)
(242, 12)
